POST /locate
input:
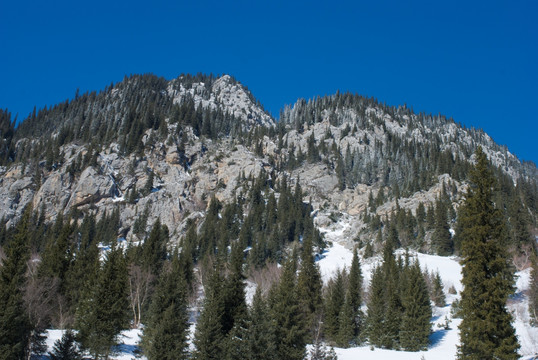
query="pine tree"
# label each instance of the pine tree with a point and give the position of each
(148, 186)
(441, 238)
(209, 336)
(384, 305)
(354, 292)
(346, 323)
(533, 292)
(309, 283)
(165, 334)
(154, 248)
(437, 295)
(104, 312)
(261, 336)
(235, 320)
(85, 265)
(14, 323)
(415, 327)
(393, 310)
(486, 331)
(375, 319)
(335, 296)
(66, 348)
(290, 324)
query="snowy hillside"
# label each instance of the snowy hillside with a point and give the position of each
(443, 340)
(443, 343)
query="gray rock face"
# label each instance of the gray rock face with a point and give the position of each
(91, 188)
(185, 180)
(54, 194)
(16, 190)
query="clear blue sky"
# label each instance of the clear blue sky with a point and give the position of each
(476, 61)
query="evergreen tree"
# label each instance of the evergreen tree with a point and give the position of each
(290, 325)
(85, 265)
(209, 337)
(533, 292)
(148, 186)
(14, 323)
(384, 306)
(309, 283)
(66, 348)
(437, 295)
(335, 296)
(261, 336)
(236, 345)
(415, 327)
(104, 312)
(319, 352)
(354, 291)
(393, 310)
(165, 334)
(441, 238)
(154, 248)
(486, 331)
(235, 316)
(346, 323)
(57, 256)
(375, 320)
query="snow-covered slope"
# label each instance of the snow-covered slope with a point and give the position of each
(443, 343)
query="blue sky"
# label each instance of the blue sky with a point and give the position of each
(475, 61)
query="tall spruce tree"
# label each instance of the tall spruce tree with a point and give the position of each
(393, 310)
(104, 312)
(375, 319)
(14, 322)
(290, 324)
(441, 238)
(261, 336)
(486, 331)
(209, 336)
(384, 306)
(346, 323)
(335, 297)
(415, 327)
(354, 291)
(235, 305)
(533, 292)
(309, 283)
(154, 248)
(165, 334)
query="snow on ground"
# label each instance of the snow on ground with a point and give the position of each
(126, 351)
(337, 256)
(443, 343)
(250, 290)
(519, 305)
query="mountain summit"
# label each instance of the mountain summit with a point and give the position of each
(164, 148)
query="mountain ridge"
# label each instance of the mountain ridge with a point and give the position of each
(202, 136)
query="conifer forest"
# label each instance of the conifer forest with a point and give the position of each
(182, 213)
